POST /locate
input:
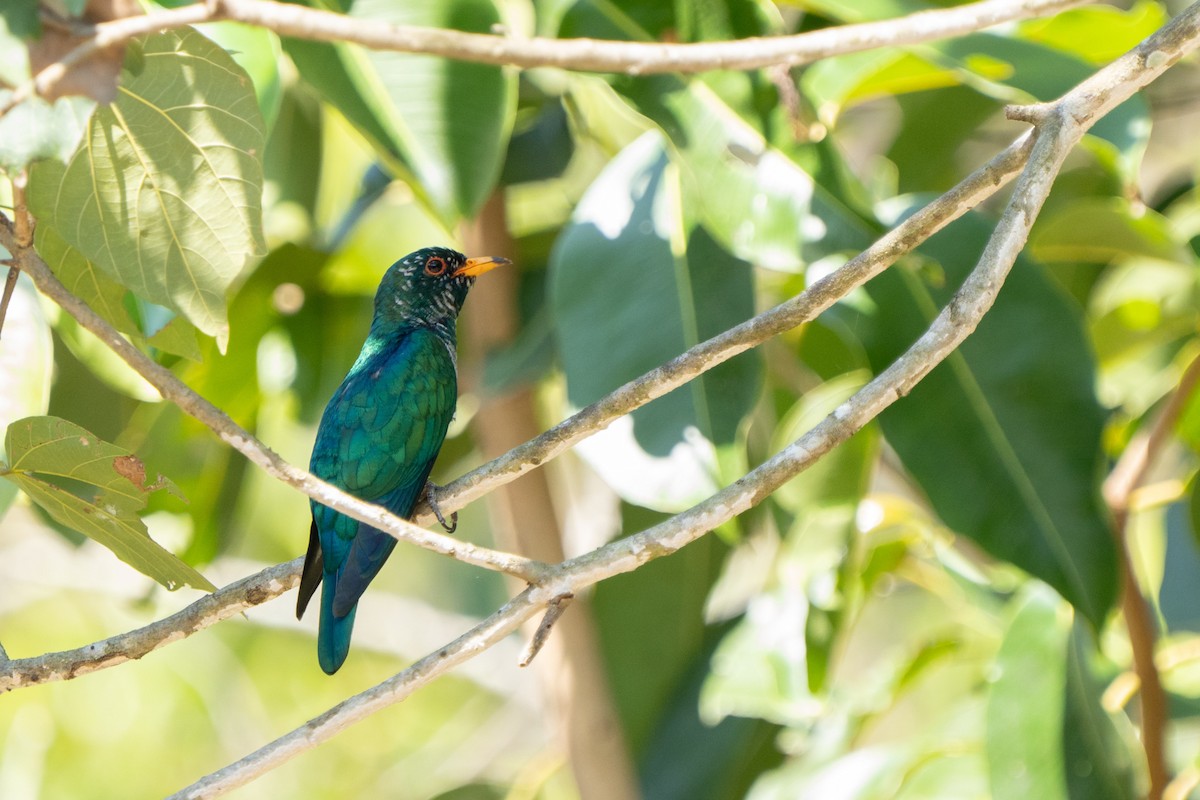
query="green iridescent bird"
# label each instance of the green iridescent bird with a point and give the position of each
(382, 430)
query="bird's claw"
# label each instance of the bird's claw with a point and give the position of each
(431, 495)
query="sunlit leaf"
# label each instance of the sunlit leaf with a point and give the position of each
(757, 201)
(34, 129)
(1096, 33)
(257, 51)
(43, 451)
(102, 293)
(166, 195)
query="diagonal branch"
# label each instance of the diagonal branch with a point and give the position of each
(222, 604)
(1059, 126)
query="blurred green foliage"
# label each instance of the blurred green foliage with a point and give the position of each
(926, 613)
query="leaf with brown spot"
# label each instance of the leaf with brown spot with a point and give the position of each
(133, 469)
(44, 450)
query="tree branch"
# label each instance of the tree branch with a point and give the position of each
(1061, 126)
(593, 55)
(222, 604)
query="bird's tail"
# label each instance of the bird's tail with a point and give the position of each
(333, 637)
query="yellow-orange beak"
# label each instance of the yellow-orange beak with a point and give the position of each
(477, 266)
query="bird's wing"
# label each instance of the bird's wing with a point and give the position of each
(378, 440)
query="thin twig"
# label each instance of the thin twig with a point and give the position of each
(1126, 476)
(634, 58)
(554, 610)
(10, 284)
(1067, 121)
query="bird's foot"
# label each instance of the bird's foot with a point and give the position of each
(431, 490)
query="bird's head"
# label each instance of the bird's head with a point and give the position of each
(429, 286)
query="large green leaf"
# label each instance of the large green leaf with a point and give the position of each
(1004, 437)
(1025, 702)
(52, 459)
(166, 195)
(441, 124)
(97, 288)
(632, 286)
(27, 364)
(114, 303)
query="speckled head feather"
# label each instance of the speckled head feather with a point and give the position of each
(428, 287)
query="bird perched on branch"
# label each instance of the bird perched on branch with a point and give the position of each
(382, 431)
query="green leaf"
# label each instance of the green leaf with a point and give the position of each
(1140, 310)
(1097, 33)
(839, 477)
(1025, 702)
(1100, 229)
(632, 287)
(1096, 758)
(42, 449)
(34, 129)
(1004, 437)
(166, 196)
(758, 202)
(441, 125)
(93, 286)
(18, 20)
(835, 84)
(27, 364)
(257, 51)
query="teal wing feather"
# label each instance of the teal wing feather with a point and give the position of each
(378, 440)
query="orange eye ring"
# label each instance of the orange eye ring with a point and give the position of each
(435, 266)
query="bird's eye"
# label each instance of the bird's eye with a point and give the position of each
(436, 265)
